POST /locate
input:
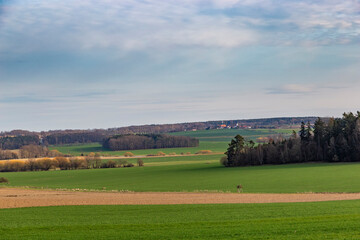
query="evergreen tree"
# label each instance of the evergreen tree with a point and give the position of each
(234, 150)
(302, 132)
(308, 132)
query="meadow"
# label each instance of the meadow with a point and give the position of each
(201, 175)
(78, 149)
(322, 220)
(225, 135)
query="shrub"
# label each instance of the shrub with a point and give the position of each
(77, 163)
(63, 163)
(92, 154)
(12, 166)
(122, 163)
(45, 164)
(109, 164)
(31, 164)
(4, 180)
(128, 154)
(224, 160)
(15, 166)
(8, 154)
(204, 152)
(140, 162)
(129, 165)
(160, 153)
(54, 153)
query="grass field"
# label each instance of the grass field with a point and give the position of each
(177, 160)
(225, 135)
(323, 220)
(79, 149)
(292, 178)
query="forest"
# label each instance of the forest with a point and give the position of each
(330, 140)
(148, 141)
(18, 141)
(73, 137)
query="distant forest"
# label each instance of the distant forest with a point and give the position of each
(17, 138)
(17, 142)
(148, 141)
(332, 140)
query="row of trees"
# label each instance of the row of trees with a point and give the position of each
(63, 163)
(74, 137)
(29, 151)
(333, 140)
(148, 141)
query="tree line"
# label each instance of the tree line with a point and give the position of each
(17, 142)
(29, 151)
(17, 138)
(330, 140)
(148, 141)
(92, 161)
(59, 138)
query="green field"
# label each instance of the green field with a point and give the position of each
(291, 178)
(79, 149)
(324, 220)
(225, 135)
(176, 160)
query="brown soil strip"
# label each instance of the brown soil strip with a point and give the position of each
(15, 198)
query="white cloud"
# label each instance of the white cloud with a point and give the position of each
(138, 25)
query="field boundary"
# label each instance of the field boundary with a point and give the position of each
(20, 197)
(120, 157)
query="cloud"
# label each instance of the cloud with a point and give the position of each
(146, 61)
(307, 89)
(23, 99)
(291, 89)
(159, 25)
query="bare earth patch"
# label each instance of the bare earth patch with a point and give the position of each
(15, 198)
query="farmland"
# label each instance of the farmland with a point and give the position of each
(323, 220)
(78, 149)
(215, 140)
(207, 175)
(190, 173)
(225, 135)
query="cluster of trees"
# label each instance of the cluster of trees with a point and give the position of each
(333, 140)
(8, 154)
(16, 142)
(29, 151)
(73, 137)
(63, 163)
(148, 141)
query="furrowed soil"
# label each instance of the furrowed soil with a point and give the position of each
(16, 198)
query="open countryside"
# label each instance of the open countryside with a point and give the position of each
(182, 176)
(211, 119)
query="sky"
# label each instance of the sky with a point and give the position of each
(101, 64)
